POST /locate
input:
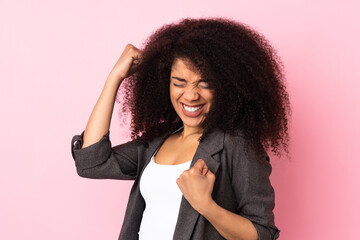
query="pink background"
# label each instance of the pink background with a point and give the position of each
(56, 55)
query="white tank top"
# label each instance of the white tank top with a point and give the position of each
(162, 197)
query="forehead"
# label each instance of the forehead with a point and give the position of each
(185, 67)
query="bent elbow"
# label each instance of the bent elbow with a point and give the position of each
(85, 173)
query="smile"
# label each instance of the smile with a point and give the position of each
(192, 111)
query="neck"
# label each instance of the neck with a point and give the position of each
(191, 131)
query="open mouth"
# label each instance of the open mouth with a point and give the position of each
(192, 111)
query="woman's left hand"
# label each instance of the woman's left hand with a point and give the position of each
(197, 184)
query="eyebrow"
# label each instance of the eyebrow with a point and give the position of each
(183, 80)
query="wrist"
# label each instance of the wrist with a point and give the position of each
(206, 206)
(114, 79)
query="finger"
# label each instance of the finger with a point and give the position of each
(137, 56)
(196, 169)
(185, 173)
(200, 163)
(202, 166)
(210, 175)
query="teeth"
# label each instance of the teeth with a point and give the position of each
(192, 109)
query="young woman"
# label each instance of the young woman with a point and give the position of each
(207, 99)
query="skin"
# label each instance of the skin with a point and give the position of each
(196, 183)
(99, 121)
(186, 87)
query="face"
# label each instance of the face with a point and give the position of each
(190, 95)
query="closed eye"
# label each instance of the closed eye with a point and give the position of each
(178, 85)
(180, 82)
(204, 85)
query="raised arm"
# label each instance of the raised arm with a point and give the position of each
(99, 122)
(92, 152)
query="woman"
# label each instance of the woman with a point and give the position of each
(207, 98)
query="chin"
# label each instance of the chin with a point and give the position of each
(192, 124)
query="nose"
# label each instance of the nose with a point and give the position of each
(191, 94)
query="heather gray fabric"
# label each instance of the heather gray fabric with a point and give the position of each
(242, 183)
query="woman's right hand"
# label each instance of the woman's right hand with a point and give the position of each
(126, 64)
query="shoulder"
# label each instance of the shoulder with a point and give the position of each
(240, 153)
(237, 142)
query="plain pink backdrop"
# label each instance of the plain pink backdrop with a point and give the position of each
(56, 55)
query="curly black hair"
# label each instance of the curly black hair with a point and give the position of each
(241, 66)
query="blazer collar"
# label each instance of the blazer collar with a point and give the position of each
(206, 150)
(211, 145)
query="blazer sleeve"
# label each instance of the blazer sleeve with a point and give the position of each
(253, 190)
(102, 161)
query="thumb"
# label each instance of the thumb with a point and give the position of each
(202, 166)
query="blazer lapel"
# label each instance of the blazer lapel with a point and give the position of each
(187, 214)
(153, 146)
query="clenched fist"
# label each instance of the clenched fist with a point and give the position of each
(197, 184)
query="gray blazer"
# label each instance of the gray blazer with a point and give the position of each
(241, 186)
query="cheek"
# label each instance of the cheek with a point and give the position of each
(209, 97)
(174, 93)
